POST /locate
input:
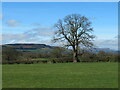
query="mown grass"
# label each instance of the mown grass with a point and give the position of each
(61, 75)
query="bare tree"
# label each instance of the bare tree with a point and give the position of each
(74, 30)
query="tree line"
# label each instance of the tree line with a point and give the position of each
(57, 55)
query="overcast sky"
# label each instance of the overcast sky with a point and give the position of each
(30, 22)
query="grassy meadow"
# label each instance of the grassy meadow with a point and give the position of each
(61, 75)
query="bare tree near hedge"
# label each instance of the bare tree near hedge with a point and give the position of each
(74, 30)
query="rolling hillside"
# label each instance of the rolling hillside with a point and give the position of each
(47, 48)
(37, 48)
(27, 46)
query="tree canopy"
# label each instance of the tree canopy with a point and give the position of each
(74, 30)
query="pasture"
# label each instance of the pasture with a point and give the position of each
(61, 75)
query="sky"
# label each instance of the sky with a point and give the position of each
(32, 22)
(60, 1)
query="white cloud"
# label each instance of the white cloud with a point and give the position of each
(12, 23)
(35, 24)
(36, 35)
(107, 43)
(44, 36)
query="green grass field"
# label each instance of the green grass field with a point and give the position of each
(61, 75)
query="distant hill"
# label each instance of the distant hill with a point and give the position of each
(96, 50)
(27, 46)
(47, 48)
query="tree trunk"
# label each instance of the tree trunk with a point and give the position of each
(74, 59)
(77, 52)
(75, 56)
